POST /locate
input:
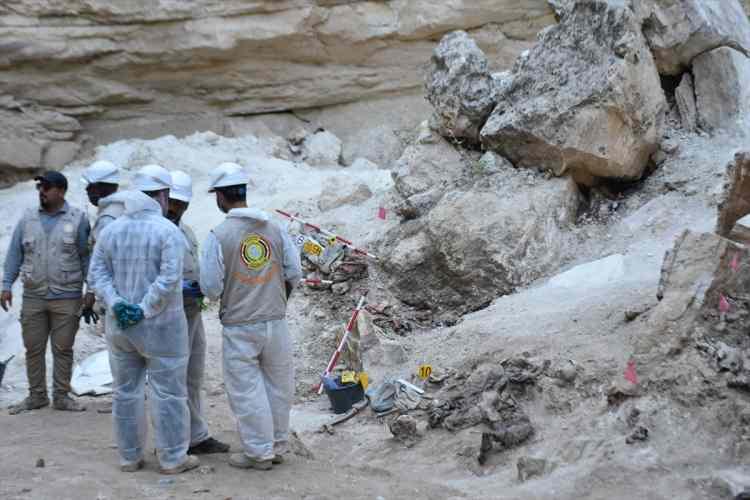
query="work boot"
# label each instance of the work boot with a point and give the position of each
(66, 403)
(190, 463)
(208, 446)
(28, 404)
(242, 461)
(133, 467)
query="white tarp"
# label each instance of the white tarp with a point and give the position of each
(92, 376)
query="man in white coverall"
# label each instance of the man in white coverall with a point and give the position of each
(102, 179)
(201, 443)
(137, 270)
(251, 263)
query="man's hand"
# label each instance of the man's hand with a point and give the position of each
(6, 300)
(89, 300)
(89, 315)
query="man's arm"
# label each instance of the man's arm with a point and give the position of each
(102, 222)
(14, 258)
(170, 274)
(84, 253)
(100, 275)
(292, 263)
(212, 268)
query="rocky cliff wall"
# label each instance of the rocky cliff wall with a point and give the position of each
(145, 68)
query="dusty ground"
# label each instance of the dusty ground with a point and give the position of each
(81, 461)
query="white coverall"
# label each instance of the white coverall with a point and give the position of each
(138, 258)
(257, 357)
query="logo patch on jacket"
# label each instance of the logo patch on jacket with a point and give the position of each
(255, 252)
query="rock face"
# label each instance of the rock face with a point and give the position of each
(735, 201)
(146, 69)
(338, 193)
(476, 236)
(425, 171)
(34, 138)
(680, 30)
(587, 98)
(321, 149)
(460, 87)
(704, 283)
(722, 88)
(685, 98)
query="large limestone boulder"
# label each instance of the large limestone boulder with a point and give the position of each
(459, 87)
(425, 172)
(722, 88)
(586, 100)
(321, 149)
(680, 30)
(481, 240)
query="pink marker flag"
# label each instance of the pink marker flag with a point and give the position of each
(381, 213)
(723, 304)
(735, 261)
(630, 374)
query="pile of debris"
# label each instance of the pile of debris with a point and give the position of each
(483, 393)
(329, 260)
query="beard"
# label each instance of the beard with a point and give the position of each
(173, 217)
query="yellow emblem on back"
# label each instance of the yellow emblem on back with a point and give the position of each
(255, 252)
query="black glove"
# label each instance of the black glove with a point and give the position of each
(90, 315)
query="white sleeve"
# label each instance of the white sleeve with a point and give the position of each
(292, 262)
(212, 268)
(169, 278)
(101, 274)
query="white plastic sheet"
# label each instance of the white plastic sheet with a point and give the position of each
(92, 376)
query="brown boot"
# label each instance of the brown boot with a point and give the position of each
(28, 404)
(133, 467)
(66, 403)
(191, 462)
(244, 462)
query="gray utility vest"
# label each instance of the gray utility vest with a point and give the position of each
(254, 288)
(51, 261)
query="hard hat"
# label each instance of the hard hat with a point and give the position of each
(182, 186)
(152, 178)
(101, 171)
(227, 174)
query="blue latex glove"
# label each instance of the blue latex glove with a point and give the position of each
(127, 315)
(191, 288)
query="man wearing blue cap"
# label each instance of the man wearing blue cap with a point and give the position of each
(49, 249)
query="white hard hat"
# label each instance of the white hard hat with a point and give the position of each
(182, 186)
(152, 178)
(227, 174)
(101, 171)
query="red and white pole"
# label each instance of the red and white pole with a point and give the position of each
(342, 344)
(306, 281)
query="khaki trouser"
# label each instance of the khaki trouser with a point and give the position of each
(49, 319)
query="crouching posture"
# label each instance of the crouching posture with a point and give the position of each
(137, 270)
(252, 265)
